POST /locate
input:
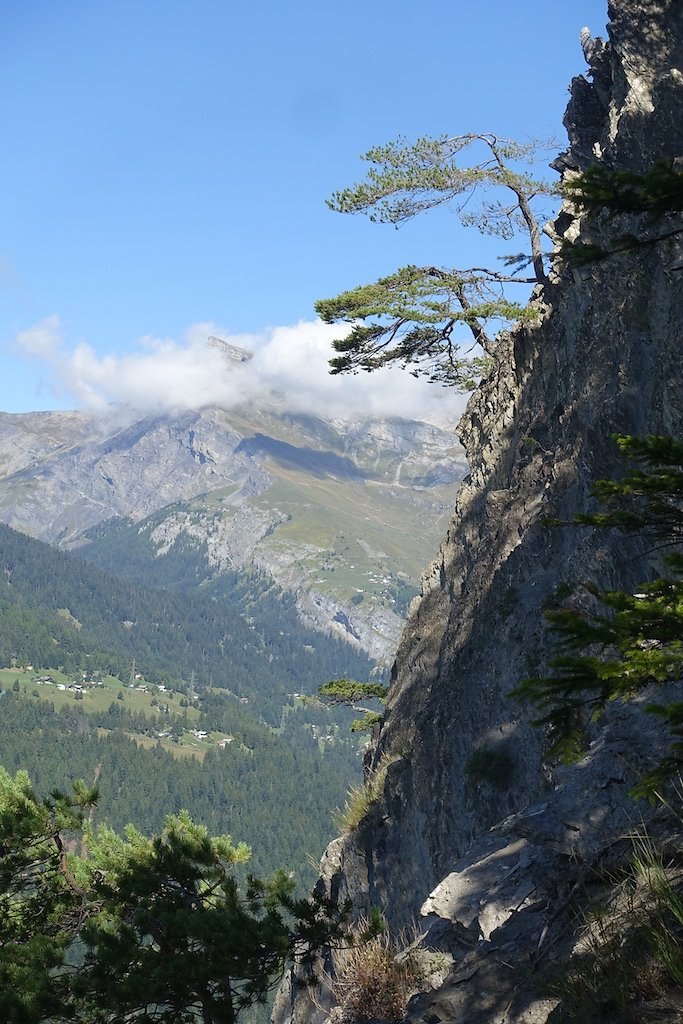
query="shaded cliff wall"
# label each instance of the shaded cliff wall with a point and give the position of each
(605, 357)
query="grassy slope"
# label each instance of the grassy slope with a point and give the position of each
(334, 515)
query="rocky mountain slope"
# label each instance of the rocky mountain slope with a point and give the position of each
(605, 357)
(323, 507)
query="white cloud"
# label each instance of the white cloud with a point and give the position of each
(42, 339)
(290, 363)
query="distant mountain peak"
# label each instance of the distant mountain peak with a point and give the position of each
(233, 352)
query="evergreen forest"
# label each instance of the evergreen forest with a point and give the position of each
(193, 701)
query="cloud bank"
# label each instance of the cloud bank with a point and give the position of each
(288, 365)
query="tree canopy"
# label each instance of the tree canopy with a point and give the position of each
(411, 317)
(42, 906)
(349, 692)
(165, 932)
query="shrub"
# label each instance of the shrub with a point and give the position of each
(374, 979)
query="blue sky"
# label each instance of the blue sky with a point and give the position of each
(166, 166)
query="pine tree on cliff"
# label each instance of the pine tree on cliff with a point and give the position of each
(413, 316)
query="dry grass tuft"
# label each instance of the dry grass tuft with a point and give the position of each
(360, 799)
(375, 979)
(630, 954)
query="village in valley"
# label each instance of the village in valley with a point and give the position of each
(171, 714)
(163, 715)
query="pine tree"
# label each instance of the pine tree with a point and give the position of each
(634, 640)
(412, 316)
(165, 931)
(42, 904)
(349, 692)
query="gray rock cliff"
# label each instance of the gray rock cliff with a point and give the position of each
(604, 357)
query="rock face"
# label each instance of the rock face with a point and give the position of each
(605, 357)
(74, 470)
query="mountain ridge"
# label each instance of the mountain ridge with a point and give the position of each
(322, 506)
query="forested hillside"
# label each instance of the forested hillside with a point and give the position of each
(169, 699)
(274, 793)
(57, 610)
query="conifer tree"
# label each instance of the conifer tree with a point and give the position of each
(177, 940)
(42, 904)
(633, 640)
(165, 933)
(412, 316)
(350, 692)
